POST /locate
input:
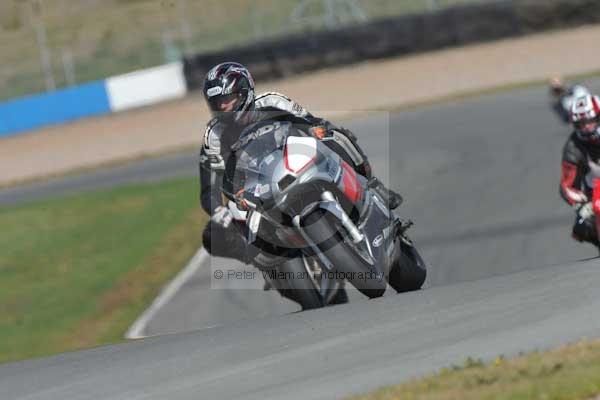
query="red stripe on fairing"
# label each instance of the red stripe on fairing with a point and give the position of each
(596, 202)
(596, 105)
(567, 183)
(287, 165)
(352, 187)
(596, 196)
(286, 159)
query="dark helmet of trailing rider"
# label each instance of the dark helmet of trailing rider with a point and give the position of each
(229, 91)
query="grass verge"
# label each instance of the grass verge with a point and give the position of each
(76, 271)
(567, 373)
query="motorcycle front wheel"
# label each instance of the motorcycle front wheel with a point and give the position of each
(325, 231)
(296, 285)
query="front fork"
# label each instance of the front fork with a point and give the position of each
(328, 288)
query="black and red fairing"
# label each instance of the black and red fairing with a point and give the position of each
(350, 185)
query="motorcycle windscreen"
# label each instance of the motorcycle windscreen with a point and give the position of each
(245, 172)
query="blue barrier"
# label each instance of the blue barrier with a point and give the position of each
(53, 107)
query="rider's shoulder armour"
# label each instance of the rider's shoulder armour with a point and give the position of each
(211, 146)
(279, 101)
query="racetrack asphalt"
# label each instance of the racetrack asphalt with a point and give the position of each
(480, 179)
(329, 353)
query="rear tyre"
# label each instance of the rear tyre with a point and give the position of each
(409, 271)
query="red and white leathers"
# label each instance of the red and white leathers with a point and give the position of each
(580, 176)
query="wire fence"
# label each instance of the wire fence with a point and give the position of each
(49, 44)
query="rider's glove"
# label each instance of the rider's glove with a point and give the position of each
(584, 210)
(222, 216)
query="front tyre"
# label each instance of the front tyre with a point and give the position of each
(325, 230)
(298, 286)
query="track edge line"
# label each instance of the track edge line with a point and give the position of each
(136, 330)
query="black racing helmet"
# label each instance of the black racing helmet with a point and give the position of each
(229, 91)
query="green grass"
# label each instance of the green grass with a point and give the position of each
(108, 37)
(568, 373)
(76, 271)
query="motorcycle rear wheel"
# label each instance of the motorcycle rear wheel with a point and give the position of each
(409, 272)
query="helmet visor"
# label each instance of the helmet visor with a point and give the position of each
(225, 103)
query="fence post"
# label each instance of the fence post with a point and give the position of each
(37, 22)
(69, 67)
(186, 31)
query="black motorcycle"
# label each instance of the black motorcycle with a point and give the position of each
(314, 222)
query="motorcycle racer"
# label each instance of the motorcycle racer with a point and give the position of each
(580, 176)
(229, 92)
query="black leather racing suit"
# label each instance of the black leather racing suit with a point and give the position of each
(579, 168)
(218, 139)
